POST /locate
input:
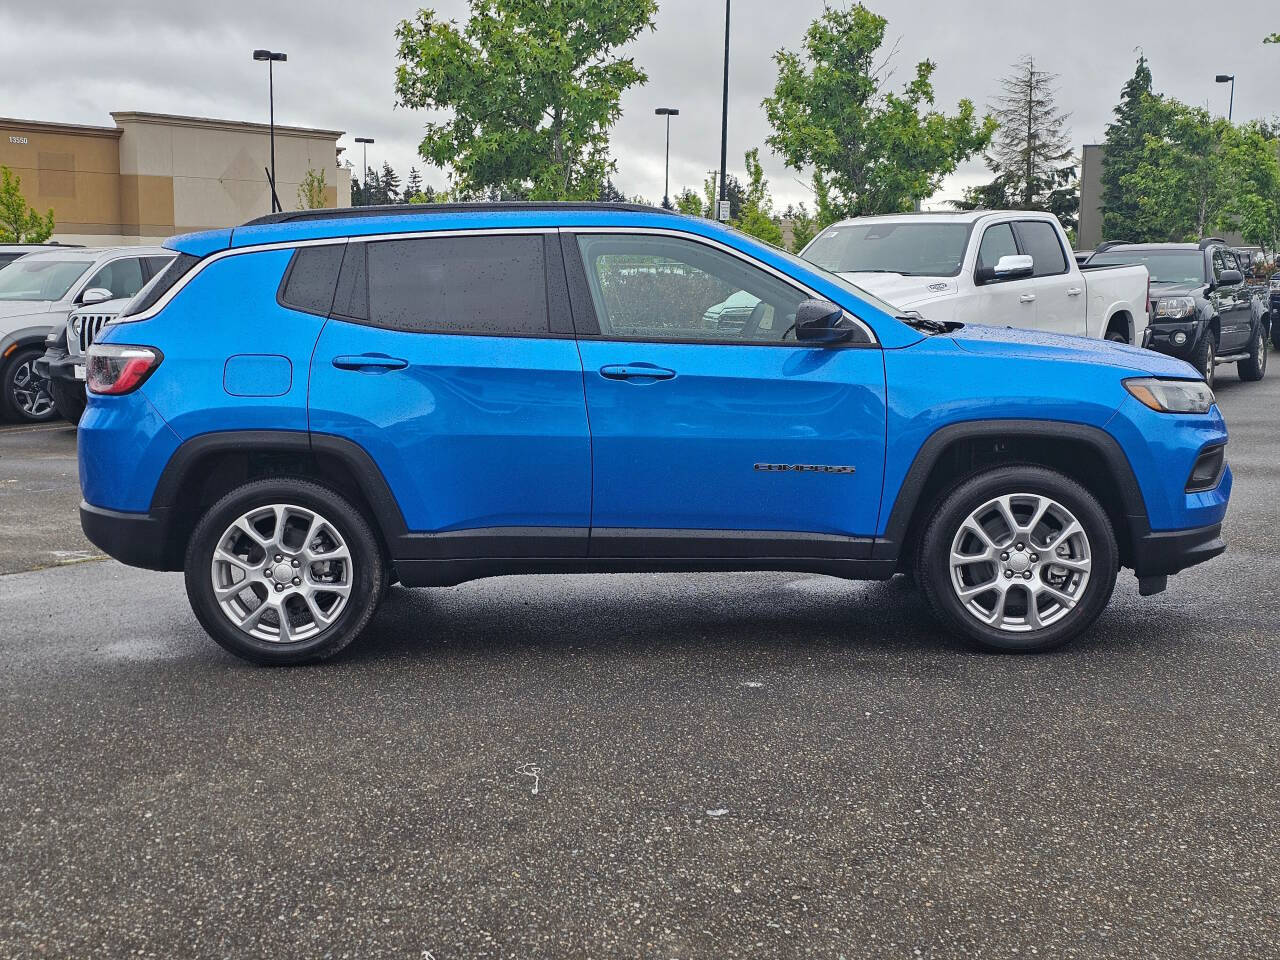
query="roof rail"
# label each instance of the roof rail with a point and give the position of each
(1108, 244)
(427, 209)
(1208, 242)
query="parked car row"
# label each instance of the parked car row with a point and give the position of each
(303, 410)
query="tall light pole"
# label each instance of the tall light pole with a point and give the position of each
(724, 112)
(667, 112)
(1231, 79)
(364, 174)
(272, 59)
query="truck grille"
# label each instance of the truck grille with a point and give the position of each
(85, 328)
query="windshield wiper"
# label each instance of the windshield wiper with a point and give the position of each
(918, 321)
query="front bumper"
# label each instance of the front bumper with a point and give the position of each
(1162, 553)
(1162, 337)
(59, 365)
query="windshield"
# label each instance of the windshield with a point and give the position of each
(865, 296)
(1165, 266)
(29, 279)
(915, 249)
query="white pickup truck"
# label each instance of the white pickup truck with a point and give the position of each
(1003, 268)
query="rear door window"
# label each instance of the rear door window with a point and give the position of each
(1040, 240)
(490, 285)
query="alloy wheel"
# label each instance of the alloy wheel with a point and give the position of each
(1020, 562)
(31, 392)
(282, 573)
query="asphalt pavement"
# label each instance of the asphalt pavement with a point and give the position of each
(763, 765)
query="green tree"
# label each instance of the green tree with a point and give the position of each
(803, 225)
(1125, 143)
(19, 223)
(689, 202)
(878, 151)
(390, 182)
(427, 194)
(532, 88)
(1031, 153)
(756, 214)
(734, 192)
(1251, 171)
(311, 192)
(412, 184)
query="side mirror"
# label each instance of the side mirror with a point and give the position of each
(95, 295)
(1012, 267)
(1230, 278)
(820, 321)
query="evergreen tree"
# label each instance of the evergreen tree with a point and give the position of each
(1125, 144)
(412, 184)
(372, 192)
(357, 193)
(610, 193)
(390, 185)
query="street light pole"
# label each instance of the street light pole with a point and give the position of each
(724, 110)
(272, 59)
(667, 112)
(1231, 79)
(364, 174)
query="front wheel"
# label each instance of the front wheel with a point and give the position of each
(283, 571)
(1254, 367)
(1020, 559)
(1205, 358)
(24, 394)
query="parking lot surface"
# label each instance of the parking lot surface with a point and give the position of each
(651, 766)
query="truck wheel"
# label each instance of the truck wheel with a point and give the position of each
(283, 571)
(1019, 559)
(1205, 356)
(69, 399)
(1255, 367)
(24, 394)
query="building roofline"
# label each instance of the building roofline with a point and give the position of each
(46, 126)
(213, 123)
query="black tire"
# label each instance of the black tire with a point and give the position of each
(69, 399)
(366, 581)
(1117, 336)
(1205, 356)
(933, 559)
(1255, 367)
(24, 396)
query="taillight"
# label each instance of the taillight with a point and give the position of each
(116, 368)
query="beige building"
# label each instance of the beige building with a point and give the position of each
(154, 175)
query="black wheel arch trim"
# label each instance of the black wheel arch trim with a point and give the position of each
(904, 510)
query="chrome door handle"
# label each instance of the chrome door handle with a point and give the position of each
(1027, 298)
(635, 371)
(370, 363)
(1074, 291)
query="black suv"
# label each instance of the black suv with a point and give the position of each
(1201, 309)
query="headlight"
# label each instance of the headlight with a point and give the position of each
(75, 326)
(1174, 308)
(1172, 396)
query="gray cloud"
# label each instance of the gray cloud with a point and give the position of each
(75, 60)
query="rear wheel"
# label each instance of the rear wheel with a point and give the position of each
(69, 399)
(1255, 367)
(1020, 559)
(283, 571)
(24, 394)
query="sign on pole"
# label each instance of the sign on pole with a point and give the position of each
(722, 213)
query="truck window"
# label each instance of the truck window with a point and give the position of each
(997, 242)
(1040, 239)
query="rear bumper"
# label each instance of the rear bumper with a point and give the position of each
(1166, 552)
(138, 539)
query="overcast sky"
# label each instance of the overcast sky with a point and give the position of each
(75, 61)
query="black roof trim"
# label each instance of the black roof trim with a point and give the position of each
(416, 209)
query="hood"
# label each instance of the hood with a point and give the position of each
(19, 308)
(1160, 290)
(902, 290)
(1011, 342)
(111, 307)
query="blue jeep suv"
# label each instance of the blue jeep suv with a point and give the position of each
(300, 411)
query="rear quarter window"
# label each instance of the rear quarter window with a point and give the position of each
(309, 282)
(160, 284)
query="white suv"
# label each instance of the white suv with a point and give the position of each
(38, 291)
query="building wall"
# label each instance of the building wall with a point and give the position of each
(153, 175)
(1089, 231)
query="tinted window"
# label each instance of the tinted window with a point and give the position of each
(1165, 266)
(7, 258)
(156, 264)
(160, 284)
(1219, 264)
(122, 277)
(1040, 240)
(487, 285)
(917, 249)
(311, 278)
(665, 288)
(997, 242)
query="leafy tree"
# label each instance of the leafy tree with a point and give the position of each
(19, 223)
(878, 151)
(1031, 153)
(1271, 38)
(1125, 143)
(803, 226)
(311, 192)
(689, 202)
(756, 214)
(1251, 171)
(412, 184)
(734, 192)
(427, 194)
(532, 89)
(390, 185)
